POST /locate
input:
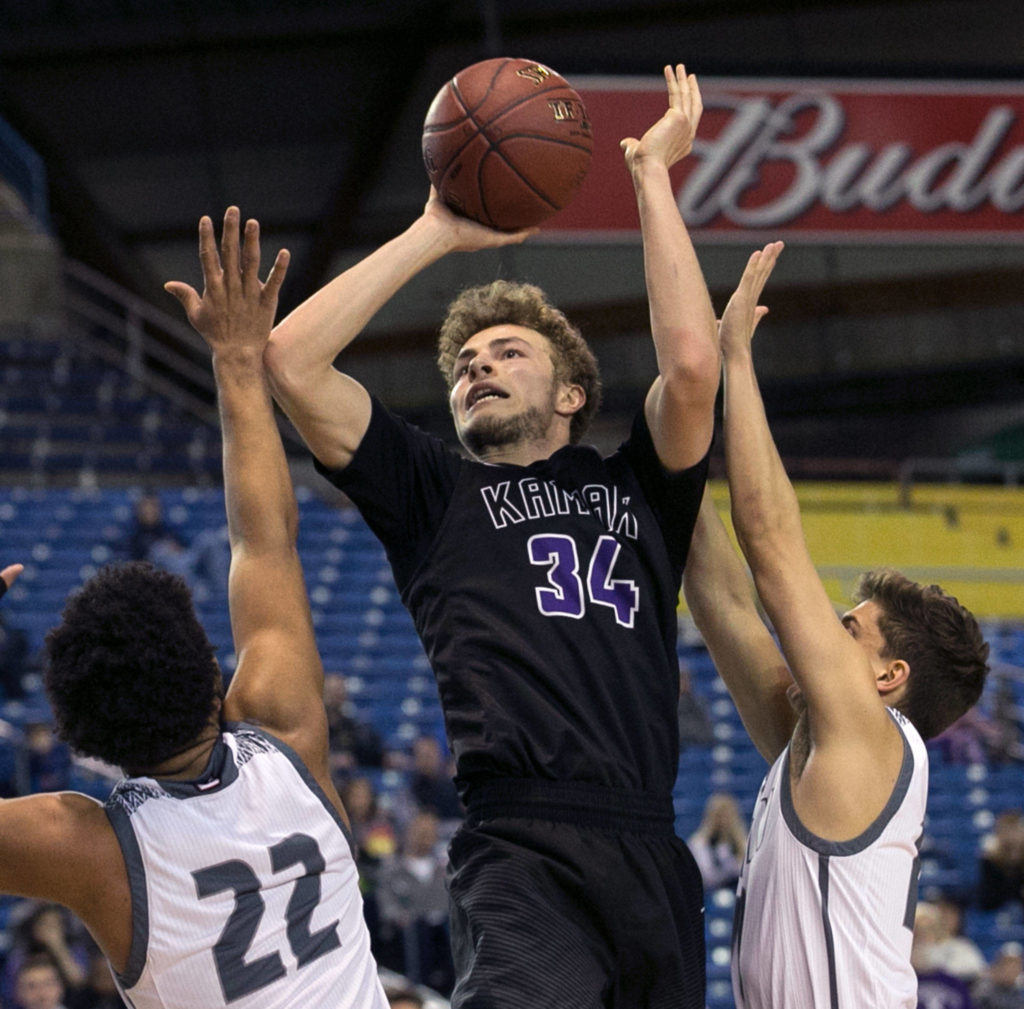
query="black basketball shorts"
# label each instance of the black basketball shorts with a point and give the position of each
(605, 912)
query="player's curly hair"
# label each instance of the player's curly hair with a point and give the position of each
(940, 641)
(130, 673)
(503, 302)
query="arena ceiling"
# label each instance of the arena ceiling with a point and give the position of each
(306, 113)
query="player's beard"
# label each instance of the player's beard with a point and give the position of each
(488, 433)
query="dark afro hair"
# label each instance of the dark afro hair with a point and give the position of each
(130, 673)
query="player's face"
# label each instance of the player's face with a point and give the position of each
(504, 389)
(861, 624)
(40, 988)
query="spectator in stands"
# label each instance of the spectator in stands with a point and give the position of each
(150, 532)
(432, 784)
(720, 841)
(951, 949)
(969, 740)
(1002, 987)
(1006, 717)
(413, 902)
(203, 563)
(353, 743)
(49, 759)
(695, 727)
(38, 984)
(13, 763)
(14, 660)
(99, 991)
(1001, 866)
(431, 780)
(936, 987)
(45, 930)
(372, 829)
(376, 841)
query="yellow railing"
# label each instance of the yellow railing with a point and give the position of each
(968, 539)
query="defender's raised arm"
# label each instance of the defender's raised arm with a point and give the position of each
(766, 516)
(279, 677)
(721, 601)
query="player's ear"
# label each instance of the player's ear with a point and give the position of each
(894, 674)
(570, 399)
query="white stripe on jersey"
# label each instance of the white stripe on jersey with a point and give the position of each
(827, 924)
(244, 889)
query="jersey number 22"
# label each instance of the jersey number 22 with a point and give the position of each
(237, 976)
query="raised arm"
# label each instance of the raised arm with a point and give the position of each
(331, 410)
(850, 731)
(279, 679)
(680, 404)
(721, 601)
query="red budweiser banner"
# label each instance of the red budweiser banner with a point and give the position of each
(827, 160)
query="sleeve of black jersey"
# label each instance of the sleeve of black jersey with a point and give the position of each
(673, 497)
(401, 480)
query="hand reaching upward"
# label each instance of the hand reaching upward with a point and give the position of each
(236, 310)
(743, 313)
(670, 139)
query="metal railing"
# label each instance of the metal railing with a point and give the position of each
(164, 354)
(963, 469)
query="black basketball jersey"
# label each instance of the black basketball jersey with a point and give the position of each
(545, 597)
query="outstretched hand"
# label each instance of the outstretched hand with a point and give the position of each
(9, 575)
(236, 310)
(463, 235)
(670, 139)
(743, 313)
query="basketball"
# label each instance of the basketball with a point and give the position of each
(507, 142)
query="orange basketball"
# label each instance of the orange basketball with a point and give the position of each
(507, 142)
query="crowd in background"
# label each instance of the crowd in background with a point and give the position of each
(48, 960)
(953, 973)
(401, 837)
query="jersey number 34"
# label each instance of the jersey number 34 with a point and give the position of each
(567, 593)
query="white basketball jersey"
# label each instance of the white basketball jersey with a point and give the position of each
(244, 888)
(829, 924)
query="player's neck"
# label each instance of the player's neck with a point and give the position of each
(520, 453)
(188, 763)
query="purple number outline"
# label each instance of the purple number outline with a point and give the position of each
(564, 597)
(621, 594)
